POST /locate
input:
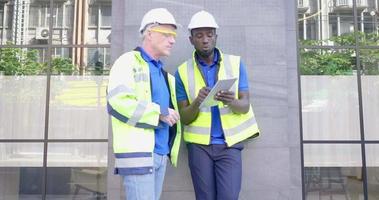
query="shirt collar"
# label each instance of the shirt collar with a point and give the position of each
(148, 58)
(216, 59)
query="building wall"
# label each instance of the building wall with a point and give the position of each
(263, 32)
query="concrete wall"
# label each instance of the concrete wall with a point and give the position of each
(263, 32)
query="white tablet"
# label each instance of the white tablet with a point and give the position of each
(224, 84)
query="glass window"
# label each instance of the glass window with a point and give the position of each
(28, 24)
(92, 154)
(8, 10)
(21, 182)
(34, 13)
(370, 92)
(372, 152)
(68, 14)
(93, 12)
(106, 15)
(21, 154)
(99, 58)
(325, 22)
(77, 170)
(22, 93)
(99, 33)
(333, 171)
(77, 107)
(329, 95)
(63, 23)
(104, 36)
(21, 170)
(76, 183)
(92, 36)
(369, 59)
(1, 14)
(58, 15)
(368, 27)
(77, 102)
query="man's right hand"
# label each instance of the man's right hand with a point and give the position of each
(171, 118)
(201, 96)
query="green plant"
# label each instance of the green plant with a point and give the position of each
(370, 61)
(16, 61)
(340, 61)
(326, 62)
(62, 66)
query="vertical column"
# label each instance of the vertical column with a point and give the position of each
(324, 19)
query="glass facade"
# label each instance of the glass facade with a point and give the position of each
(54, 62)
(338, 42)
(54, 66)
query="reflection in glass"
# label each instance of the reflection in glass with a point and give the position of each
(77, 107)
(77, 170)
(62, 62)
(63, 12)
(76, 183)
(22, 61)
(22, 183)
(81, 61)
(98, 60)
(326, 22)
(370, 92)
(21, 154)
(21, 170)
(372, 159)
(99, 21)
(368, 25)
(369, 59)
(333, 171)
(25, 22)
(329, 95)
(92, 154)
(22, 93)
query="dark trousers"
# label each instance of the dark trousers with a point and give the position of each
(216, 171)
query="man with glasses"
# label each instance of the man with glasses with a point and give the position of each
(142, 103)
(213, 134)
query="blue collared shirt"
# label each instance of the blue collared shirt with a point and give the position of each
(161, 96)
(210, 76)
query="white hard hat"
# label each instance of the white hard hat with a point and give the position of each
(202, 19)
(157, 15)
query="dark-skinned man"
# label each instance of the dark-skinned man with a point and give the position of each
(213, 134)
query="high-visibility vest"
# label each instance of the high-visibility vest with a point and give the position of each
(236, 127)
(134, 116)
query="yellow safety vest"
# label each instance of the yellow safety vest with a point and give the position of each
(134, 116)
(236, 127)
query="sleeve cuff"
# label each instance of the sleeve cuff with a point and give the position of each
(164, 111)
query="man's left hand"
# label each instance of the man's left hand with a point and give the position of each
(226, 97)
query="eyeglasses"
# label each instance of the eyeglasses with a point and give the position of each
(166, 33)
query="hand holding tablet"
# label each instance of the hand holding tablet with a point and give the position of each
(221, 85)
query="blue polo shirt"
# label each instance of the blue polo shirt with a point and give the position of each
(161, 96)
(210, 74)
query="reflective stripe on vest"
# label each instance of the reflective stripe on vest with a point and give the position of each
(227, 132)
(223, 110)
(138, 112)
(134, 162)
(119, 89)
